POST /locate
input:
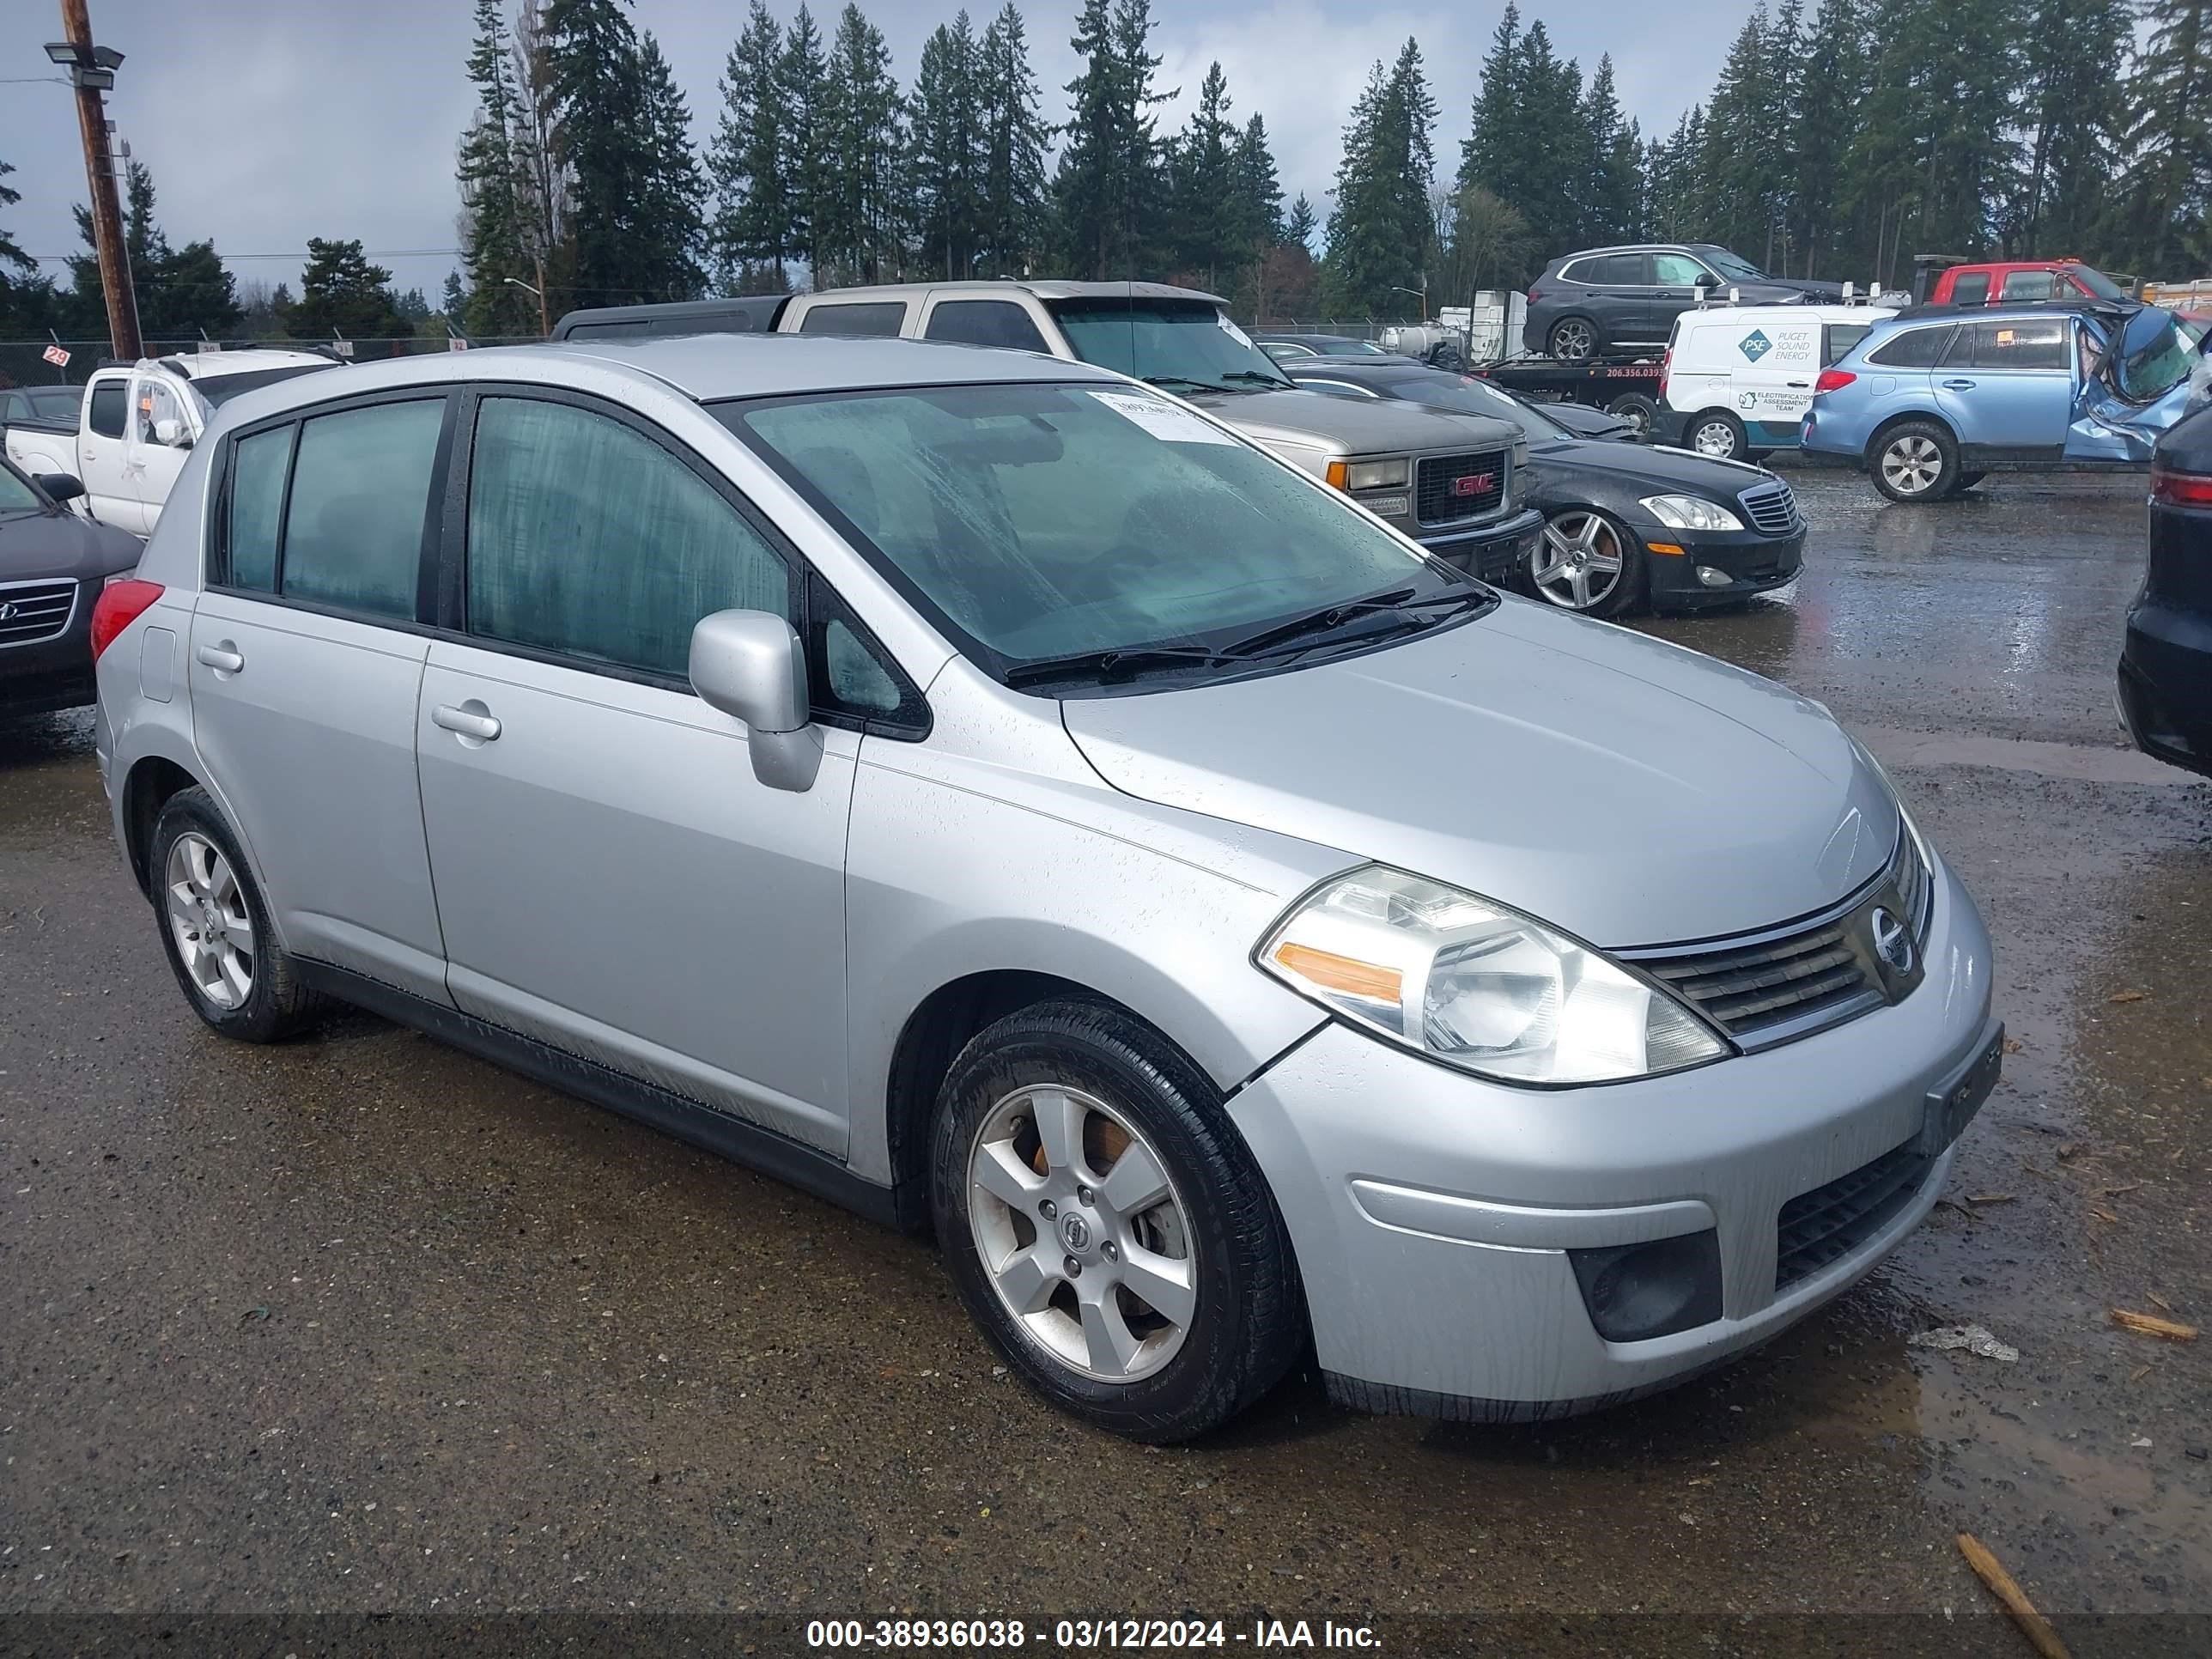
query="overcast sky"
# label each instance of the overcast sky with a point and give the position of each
(266, 122)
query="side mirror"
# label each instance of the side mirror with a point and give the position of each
(170, 431)
(1706, 279)
(62, 486)
(750, 665)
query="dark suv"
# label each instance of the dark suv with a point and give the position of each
(1607, 300)
(2166, 666)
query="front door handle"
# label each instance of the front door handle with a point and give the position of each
(224, 659)
(1958, 385)
(471, 720)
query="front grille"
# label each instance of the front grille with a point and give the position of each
(1827, 1224)
(1450, 489)
(31, 612)
(1773, 510)
(1791, 981)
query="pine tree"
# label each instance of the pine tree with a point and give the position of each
(2166, 217)
(1383, 231)
(671, 211)
(542, 189)
(1546, 137)
(1609, 196)
(601, 137)
(11, 251)
(1299, 224)
(341, 292)
(452, 306)
(803, 82)
(1107, 193)
(1831, 86)
(493, 211)
(2072, 108)
(1011, 226)
(949, 154)
(1209, 237)
(751, 160)
(1490, 155)
(863, 140)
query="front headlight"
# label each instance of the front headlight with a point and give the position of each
(1474, 984)
(1377, 475)
(1690, 513)
(1521, 452)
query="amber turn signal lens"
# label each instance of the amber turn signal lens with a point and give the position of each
(1339, 476)
(1664, 547)
(1346, 973)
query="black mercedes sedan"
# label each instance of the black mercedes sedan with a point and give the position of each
(2166, 662)
(53, 562)
(1626, 525)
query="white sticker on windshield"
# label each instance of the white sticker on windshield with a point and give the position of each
(1162, 420)
(1231, 330)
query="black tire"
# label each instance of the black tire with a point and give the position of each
(1248, 1325)
(1706, 430)
(275, 1004)
(1914, 461)
(1624, 598)
(1575, 339)
(1638, 410)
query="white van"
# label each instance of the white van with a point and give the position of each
(1737, 379)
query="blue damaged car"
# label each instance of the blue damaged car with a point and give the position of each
(1933, 400)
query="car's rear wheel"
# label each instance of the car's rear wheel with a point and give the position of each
(214, 927)
(1914, 461)
(1573, 340)
(1635, 409)
(1718, 433)
(1107, 1228)
(1589, 564)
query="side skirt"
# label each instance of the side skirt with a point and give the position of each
(733, 1138)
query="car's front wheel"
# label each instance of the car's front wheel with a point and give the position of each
(214, 927)
(1914, 461)
(1589, 564)
(1107, 1228)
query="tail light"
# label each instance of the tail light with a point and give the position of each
(1666, 363)
(121, 603)
(2180, 489)
(1833, 380)
(1534, 294)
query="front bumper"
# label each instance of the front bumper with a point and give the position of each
(1491, 552)
(1752, 562)
(2166, 684)
(53, 673)
(1432, 1212)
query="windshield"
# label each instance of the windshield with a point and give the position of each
(2154, 356)
(220, 389)
(1731, 265)
(1464, 394)
(1183, 345)
(17, 496)
(2099, 284)
(1034, 522)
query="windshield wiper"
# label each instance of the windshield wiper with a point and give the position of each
(1277, 382)
(1172, 380)
(1110, 667)
(1399, 601)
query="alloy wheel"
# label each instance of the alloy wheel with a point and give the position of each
(1579, 562)
(1573, 340)
(209, 921)
(1714, 438)
(1082, 1233)
(1910, 464)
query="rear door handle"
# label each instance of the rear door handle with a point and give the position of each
(1799, 385)
(470, 720)
(224, 659)
(1958, 385)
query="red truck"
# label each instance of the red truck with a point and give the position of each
(2013, 281)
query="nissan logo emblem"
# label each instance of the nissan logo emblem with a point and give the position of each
(1893, 940)
(1076, 1231)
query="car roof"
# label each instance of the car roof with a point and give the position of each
(214, 365)
(704, 366)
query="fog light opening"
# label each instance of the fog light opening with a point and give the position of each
(1712, 578)
(1634, 1293)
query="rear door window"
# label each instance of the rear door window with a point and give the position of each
(881, 318)
(109, 408)
(361, 493)
(1913, 348)
(2036, 343)
(2031, 285)
(984, 323)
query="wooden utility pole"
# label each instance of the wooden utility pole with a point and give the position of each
(100, 175)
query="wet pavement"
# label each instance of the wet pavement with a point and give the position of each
(360, 1325)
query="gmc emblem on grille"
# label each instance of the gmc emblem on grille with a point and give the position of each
(1472, 484)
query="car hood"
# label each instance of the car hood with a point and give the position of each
(1626, 790)
(1783, 290)
(1356, 426)
(1661, 466)
(35, 545)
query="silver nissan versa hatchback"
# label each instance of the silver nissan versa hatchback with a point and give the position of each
(994, 795)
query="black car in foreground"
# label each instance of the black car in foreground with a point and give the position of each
(2166, 662)
(1626, 526)
(53, 563)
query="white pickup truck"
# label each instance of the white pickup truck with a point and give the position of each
(131, 432)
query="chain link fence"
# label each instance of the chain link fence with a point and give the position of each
(23, 362)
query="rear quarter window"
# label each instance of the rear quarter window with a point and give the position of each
(876, 318)
(1837, 339)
